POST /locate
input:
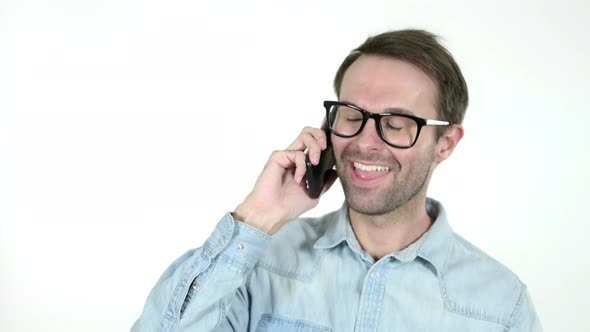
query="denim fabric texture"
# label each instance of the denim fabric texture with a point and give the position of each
(313, 275)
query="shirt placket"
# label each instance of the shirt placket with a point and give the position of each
(371, 299)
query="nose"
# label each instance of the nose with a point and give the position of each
(368, 139)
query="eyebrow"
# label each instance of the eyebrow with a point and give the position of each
(397, 110)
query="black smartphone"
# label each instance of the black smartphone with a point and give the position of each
(316, 175)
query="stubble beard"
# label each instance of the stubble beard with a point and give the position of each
(382, 201)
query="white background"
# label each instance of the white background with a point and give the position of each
(128, 128)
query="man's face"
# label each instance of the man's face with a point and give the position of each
(376, 177)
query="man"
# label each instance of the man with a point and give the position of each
(387, 260)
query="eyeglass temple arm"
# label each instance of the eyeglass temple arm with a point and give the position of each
(437, 123)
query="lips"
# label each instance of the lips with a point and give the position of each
(370, 168)
(368, 174)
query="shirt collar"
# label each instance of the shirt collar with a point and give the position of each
(335, 231)
(432, 246)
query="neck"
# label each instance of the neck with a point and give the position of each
(381, 235)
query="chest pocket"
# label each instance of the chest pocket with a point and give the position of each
(270, 322)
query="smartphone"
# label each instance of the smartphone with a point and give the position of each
(316, 175)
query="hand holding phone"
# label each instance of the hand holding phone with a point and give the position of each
(277, 196)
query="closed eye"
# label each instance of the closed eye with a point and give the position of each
(354, 119)
(389, 126)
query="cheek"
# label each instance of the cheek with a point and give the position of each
(404, 159)
(418, 157)
(338, 145)
(409, 160)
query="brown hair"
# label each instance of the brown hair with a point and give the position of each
(422, 49)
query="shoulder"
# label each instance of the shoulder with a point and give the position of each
(475, 284)
(292, 252)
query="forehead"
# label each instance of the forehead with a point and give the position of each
(377, 83)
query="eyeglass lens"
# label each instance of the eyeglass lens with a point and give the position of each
(396, 130)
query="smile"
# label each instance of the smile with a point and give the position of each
(370, 168)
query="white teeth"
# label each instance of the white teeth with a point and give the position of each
(371, 168)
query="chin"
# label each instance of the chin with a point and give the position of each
(369, 202)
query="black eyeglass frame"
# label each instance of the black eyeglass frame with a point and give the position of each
(420, 122)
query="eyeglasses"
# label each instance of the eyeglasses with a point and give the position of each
(395, 129)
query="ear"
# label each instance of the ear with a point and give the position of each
(448, 141)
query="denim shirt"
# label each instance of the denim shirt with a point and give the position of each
(313, 275)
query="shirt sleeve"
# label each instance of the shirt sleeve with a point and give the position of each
(527, 319)
(198, 289)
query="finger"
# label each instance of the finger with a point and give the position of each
(313, 144)
(307, 135)
(284, 159)
(300, 167)
(314, 149)
(290, 159)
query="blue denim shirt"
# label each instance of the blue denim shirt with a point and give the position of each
(313, 275)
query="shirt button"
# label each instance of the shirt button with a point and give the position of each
(375, 275)
(240, 247)
(196, 287)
